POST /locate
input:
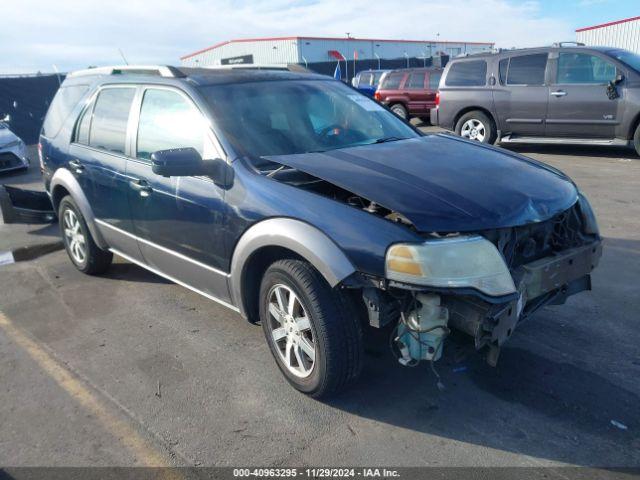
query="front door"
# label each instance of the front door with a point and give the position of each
(579, 106)
(522, 95)
(98, 161)
(179, 220)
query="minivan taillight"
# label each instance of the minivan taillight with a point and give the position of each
(377, 96)
(437, 98)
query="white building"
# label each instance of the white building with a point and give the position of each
(320, 53)
(621, 34)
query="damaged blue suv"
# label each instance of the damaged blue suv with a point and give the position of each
(307, 207)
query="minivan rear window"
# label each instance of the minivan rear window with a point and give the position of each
(527, 69)
(467, 74)
(63, 103)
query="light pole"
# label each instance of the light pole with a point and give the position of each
(378, 57)
(407, 57)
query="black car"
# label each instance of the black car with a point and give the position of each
(306, 206)
(564, 94)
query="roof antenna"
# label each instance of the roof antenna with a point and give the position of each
(123, 57)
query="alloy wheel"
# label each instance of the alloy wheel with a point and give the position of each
(291, 331)
(473, 130)
(75, 237)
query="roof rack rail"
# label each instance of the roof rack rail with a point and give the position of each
(159, 70)
(564, 44)
(292, 67)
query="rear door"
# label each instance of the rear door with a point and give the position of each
(521, 95)
(178, 220)
(415, 88)
(98, 160)
(433, 80)
(578, 104)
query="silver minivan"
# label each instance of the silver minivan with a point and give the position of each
(564, 94)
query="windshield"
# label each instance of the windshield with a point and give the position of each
(300, 116)
(630, 59)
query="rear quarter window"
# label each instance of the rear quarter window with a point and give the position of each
(392, 81)
(63, 103)
(467, 74)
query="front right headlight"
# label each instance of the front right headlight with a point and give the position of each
(588, 217)
(458, 262)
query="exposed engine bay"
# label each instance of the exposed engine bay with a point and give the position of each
(548, 261)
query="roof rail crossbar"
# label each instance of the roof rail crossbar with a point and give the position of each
(160, 70)
(564, 44)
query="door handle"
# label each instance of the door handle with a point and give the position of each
(559, 93)
(141, 186)
(76, 165)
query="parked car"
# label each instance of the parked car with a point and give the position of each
(311, 209)
(13, 151)
(367, 81)
(410, 92)
(560, 95)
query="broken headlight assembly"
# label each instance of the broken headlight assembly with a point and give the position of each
(588, 217)
(456, 262)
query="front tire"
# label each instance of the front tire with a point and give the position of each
(312, 331)
(477, 126)
(81, 248)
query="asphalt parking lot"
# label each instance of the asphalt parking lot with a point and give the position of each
(129, 369)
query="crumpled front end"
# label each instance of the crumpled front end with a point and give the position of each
(546, 263)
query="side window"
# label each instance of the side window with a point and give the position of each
(583, 68)
(365, 79)
(503, 66)
(169, 120)
(83, 126)
(434, 80)
(467, 74)
(415, 81)
(392, 81)
(63, 103)
(527, 69)
(110, 117)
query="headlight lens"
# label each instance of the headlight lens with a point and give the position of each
(588, 217)
(466, 261)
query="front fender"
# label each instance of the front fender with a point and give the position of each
(300, 237)
(63, 178)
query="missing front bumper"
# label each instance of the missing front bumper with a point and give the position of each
(25, 206)
(543, 282)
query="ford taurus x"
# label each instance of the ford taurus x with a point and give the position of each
(307, 207)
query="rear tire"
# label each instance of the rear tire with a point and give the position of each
(400, 111)
(81, 248)
(636, 139)
(321, 322)
(477, 126)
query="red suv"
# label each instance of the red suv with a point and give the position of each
(410, 92)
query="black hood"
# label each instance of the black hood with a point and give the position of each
(444, 184)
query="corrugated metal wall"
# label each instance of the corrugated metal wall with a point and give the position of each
(317, 50)
(622, 35)
(271, 52)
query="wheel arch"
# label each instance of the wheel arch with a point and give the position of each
(63, 183)
(274, 239)
(466, 110)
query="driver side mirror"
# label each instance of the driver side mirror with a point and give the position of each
(187, 162)
(6, 118)
(619, 78)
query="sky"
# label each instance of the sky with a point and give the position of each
(72, 34)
